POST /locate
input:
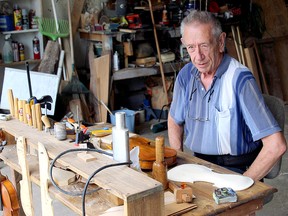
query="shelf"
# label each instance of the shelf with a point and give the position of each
(20, 62)
(129, 73)
(20, 31)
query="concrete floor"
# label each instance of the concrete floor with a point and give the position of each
(277, 207)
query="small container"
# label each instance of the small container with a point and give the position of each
(36, 48)
(116, 62)
(21, 52)
(7, 52)
(32, 19)
(17, 17)
(15, 48)
(25, 20)
(60, 130)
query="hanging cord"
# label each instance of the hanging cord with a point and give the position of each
(160, 115)
(92, 175)
(84, 192)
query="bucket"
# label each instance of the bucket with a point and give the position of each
(129, 118)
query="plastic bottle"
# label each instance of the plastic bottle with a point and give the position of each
(21, 52)
(120, 139)
(25, 20)
(7, 51)
(17, 17)
(116, 61)
(15, 51)
(36, 48)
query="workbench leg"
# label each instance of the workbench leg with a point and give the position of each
(152, 205)
(25, 183)
(46, 201)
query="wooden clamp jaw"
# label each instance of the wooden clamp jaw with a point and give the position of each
(182, 194)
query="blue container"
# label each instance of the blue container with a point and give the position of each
(129, 118)
(6, 23)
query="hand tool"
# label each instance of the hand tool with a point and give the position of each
(28, 114)
(159, 168)
(45, 119)
(183, 194)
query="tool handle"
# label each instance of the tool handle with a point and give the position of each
(46, 121)
(38, 117)
(33, 112)
(11, 101)
(159, 145)
(29, 79)
(28, 114)
(159, 168)
(20, 110)
(16, 111)
(24, 111)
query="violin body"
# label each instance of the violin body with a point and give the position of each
(147, 154)
(9, 197)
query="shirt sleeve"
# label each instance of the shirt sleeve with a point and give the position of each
(178, 108)
(257, 115)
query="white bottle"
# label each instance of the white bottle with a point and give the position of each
(120, 139)
(116, 61)
(7, 51)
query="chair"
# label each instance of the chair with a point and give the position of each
(276, 106)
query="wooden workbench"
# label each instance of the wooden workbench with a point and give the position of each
(141, 194)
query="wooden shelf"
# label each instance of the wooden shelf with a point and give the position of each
(20, 62)
(20, 31)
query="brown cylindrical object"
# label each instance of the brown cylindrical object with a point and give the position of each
(33, 112)
(28, 114)
(16, 111)
(159, 168)
(11, 101)
(38, 117)
(24, 111)
(20, 110)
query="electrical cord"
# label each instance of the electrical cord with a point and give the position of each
(66, 152)
(84, 192)
(92, 175)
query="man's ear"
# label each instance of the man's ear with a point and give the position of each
(222, 39)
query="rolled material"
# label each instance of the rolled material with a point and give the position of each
(120, 139)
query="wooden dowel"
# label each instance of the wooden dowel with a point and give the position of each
(11, 101)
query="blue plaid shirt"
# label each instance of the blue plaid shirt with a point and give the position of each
(229, 118)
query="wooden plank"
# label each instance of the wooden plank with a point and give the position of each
(251, 64)
(281, 53)
(76, 14)
(46, 201)
(26, 187)
(143, 186)
(276, 18)
(99, 82)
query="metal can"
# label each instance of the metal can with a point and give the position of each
(21, 52)
(36, 48)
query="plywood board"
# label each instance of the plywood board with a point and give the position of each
(41, 83)
(99, 82)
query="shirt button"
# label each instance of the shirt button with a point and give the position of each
(202, 89)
